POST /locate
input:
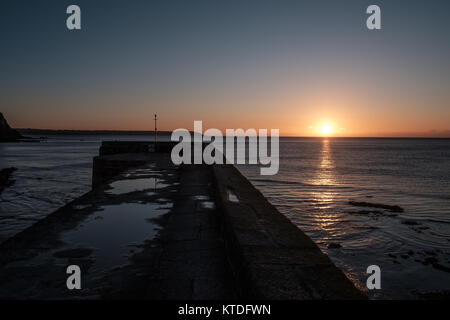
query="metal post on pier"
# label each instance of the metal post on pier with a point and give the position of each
(156, 130)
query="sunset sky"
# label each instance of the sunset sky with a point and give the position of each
(293, 65)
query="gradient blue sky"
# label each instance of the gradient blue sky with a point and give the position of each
(293, 65)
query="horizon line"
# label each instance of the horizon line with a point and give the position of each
(281, 136)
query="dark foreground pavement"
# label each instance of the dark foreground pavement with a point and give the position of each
(153, 232)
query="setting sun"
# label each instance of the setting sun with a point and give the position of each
(326, 130)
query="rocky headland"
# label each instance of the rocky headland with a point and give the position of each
(7, 134)
(5, 180)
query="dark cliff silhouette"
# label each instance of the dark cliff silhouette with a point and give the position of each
(6, 133)
(5, 180)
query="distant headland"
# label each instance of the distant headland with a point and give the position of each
(7, 134)
(43, 132)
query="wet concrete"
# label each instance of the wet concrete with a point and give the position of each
(151, 232)
(188, 261)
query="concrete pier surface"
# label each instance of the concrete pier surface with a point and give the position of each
(152, 230)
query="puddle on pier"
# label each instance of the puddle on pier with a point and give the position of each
(109, 235)
(113, 232)
(133, 185)
(205, 202)
(103, 242)
(201, 198)
(208, 204)
(232, 196)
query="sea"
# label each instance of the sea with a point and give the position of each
(318, 184)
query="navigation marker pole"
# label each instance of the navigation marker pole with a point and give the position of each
(156, 118)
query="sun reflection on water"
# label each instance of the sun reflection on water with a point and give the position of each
(325, 176)
(325, 171)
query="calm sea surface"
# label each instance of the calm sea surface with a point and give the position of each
(316, 181)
